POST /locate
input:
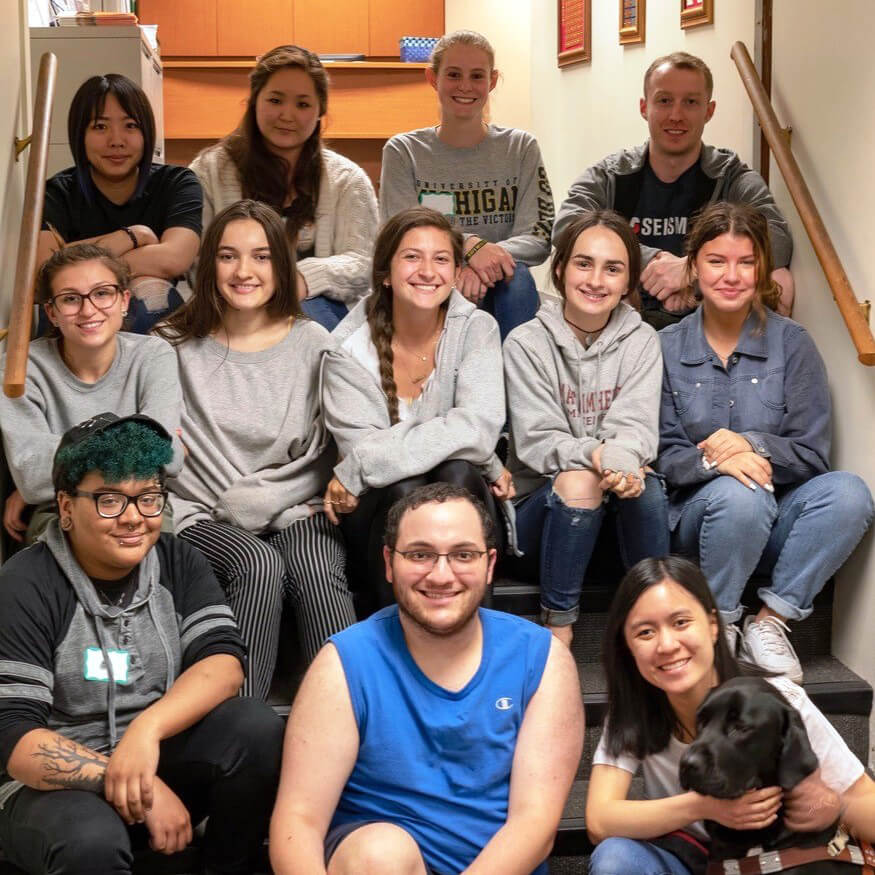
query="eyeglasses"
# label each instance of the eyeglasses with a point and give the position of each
(113, 504)
(69, 303)
(459, 560)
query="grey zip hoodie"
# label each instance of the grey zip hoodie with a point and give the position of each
(734, 181)
(565, 400)
(458, 416)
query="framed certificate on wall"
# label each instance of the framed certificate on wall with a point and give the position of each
(575, 32)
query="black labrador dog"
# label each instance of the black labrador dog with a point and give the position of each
(748, 736)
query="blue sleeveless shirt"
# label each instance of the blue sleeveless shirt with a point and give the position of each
(434, 762)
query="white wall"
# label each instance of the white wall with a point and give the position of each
(826, 97)
(15, 115)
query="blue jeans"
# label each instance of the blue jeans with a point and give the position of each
(564, 537)
(512, 301)
(801, 535)
(617, 856)
(326, 311)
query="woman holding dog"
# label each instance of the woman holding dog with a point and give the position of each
(745, 442)
(664, 651)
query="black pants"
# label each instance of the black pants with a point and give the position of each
(363, 529)
(225, 766)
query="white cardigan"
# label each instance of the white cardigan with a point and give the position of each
(344, 230)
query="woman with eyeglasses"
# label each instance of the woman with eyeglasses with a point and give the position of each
(120, 721)
(86, 365)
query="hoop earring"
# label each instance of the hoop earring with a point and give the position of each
(66, 523)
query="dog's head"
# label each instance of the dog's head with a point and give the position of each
(748, 736)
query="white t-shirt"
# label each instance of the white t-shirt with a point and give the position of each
(839, 768)
(360, 346)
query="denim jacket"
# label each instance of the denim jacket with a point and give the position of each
(773, 391)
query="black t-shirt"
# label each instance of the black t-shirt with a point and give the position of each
(662, 214)
(172, 198)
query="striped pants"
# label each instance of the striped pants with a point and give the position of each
(305, 563)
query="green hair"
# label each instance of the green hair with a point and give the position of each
(130, 451)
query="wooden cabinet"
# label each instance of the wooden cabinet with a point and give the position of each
(185, 27)
(391, 19)
(338, 26)
(249, 28)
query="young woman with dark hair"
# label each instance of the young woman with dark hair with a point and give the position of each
(276, 156)
(120, 723)
(488, 180)
(745, 441)
(85, 365)
(259, 456)
(664, 650)
(147, 214)
(414, 394)
(583, 382)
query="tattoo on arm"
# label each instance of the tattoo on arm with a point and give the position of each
(70, 766)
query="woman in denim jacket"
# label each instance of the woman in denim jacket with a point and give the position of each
(745, 441)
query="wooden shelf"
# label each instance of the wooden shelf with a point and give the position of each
(233, 63)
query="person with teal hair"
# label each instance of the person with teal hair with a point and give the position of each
(120, 664)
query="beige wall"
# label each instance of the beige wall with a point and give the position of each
(507, 25)
(15, 115)
(584, 112)
(827, 100)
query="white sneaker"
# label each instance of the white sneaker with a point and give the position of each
(769, 647)
(732, 633)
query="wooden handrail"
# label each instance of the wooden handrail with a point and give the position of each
(848, 304)
(21, 314)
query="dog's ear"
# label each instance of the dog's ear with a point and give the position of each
(798, 760)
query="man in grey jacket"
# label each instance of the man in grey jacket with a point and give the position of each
(660, 186)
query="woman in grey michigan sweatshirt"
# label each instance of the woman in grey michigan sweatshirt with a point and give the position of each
(583, 383)
(259, 456)
(84, 366)
(414, 392)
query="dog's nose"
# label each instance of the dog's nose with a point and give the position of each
(695, 766)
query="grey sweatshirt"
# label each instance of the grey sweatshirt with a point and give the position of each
(497, 189)
(458, 416)
(141, 379)
(252, 422)
(565, 400)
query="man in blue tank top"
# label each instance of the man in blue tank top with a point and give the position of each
(436, 737)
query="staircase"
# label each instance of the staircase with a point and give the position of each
(844, 697)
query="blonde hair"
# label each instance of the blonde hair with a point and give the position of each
(460, 38)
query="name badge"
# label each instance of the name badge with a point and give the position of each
(442, 202)
(95, 667)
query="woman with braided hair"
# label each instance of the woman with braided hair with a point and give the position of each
(413, 393)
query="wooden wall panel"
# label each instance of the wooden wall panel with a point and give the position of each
(391, 19)
(332, 27)
(185, 27)
(203, 103)
(252, 27)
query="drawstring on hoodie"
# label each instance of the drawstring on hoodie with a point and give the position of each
(110, 695)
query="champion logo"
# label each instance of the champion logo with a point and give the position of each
(505, 703)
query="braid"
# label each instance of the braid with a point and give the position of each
(380, 323)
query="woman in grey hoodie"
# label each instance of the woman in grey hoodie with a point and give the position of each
(250, 495)
(583, 382)
(414, 392)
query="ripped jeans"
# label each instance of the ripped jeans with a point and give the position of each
(564, 537)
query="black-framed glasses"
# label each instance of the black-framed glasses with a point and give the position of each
(459, 560)
(113, 504)
(69, 303)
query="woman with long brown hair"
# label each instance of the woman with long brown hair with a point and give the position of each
(276, 155)
(250, 496)
(415, 392)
